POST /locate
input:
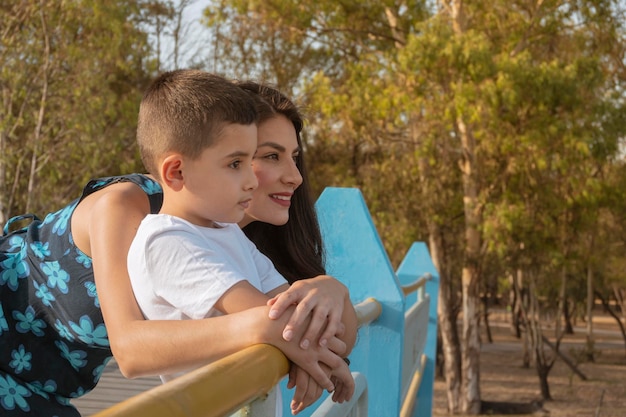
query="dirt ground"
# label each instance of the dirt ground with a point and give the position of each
(503, 378)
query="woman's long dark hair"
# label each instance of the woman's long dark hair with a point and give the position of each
(295, 248)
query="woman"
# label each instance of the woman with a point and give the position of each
(278, 213)
(51, 326)
(282, 207)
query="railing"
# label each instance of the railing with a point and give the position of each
(414, 359)
(392, 362)
(243, 377)
(389, 350)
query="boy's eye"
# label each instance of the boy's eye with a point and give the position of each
(235, 164)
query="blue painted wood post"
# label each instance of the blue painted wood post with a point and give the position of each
(416, 263)
(355, 255)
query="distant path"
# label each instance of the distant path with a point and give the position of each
(604, 337)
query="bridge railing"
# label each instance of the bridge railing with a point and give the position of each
(394, 358)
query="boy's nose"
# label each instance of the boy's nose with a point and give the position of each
(252, 181)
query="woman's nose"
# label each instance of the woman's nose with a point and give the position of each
(292, 174)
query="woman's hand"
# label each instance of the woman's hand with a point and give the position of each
(322, 299)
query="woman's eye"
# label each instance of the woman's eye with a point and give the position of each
(272, 156)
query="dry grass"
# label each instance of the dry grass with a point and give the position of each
(504, 379)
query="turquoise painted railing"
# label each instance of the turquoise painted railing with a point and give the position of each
(393, 361)
(389, 351)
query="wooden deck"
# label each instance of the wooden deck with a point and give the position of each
(112, 388)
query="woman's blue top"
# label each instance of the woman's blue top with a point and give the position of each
(53, 342)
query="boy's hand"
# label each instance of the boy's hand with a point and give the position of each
(343, 392)
(307, 390)
(343, 382)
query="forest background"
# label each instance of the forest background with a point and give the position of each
(493, 131)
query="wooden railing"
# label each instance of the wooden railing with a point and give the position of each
(392, 362)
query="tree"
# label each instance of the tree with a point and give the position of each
(496, 112)
(493, 131)
(71, 80)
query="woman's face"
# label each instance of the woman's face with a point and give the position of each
(275, 167)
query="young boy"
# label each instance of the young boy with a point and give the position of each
(197, 135)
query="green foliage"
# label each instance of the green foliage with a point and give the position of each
(72, 73)
(383, 83)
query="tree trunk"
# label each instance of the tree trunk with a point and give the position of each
(564, 358)
(446, 311)
(447, 325)
(522, 317)
(470, 354)
(485, 315)
(543, 372)
(543, 364)
(567, 318)
(471, 344)
(590, 299)
(471, 298)
(451, 349)
(562, 305)
(516, 299)
(526, 349)
(37, 138)
(608, 309)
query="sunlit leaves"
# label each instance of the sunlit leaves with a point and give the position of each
(76, 69)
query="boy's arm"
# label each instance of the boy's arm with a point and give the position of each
(105, 223)
(107, 220)
(243, 295)
(111, 217)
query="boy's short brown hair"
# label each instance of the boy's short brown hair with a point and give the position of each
(185, 110)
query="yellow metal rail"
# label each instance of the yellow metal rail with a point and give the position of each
(214, 390)
(367, 311)
(224, 386)
(417, 284)
(409, 401)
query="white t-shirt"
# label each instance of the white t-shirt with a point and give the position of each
(179, 270)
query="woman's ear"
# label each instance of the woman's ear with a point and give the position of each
(171, 172)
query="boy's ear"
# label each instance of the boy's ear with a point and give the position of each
(171, 172)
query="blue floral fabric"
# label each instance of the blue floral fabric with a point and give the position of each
(53, 342)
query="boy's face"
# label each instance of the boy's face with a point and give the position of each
(219, 184)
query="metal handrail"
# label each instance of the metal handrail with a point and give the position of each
(417, 284)
(224, 386)
(213, 390)
(409, 400)
(367, 311)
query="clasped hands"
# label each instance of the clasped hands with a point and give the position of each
(314, 340)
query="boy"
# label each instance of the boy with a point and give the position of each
(197, 135)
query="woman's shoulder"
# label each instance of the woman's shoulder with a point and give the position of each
(120, 202)
(128, 188)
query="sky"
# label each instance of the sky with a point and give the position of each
(193, 36)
